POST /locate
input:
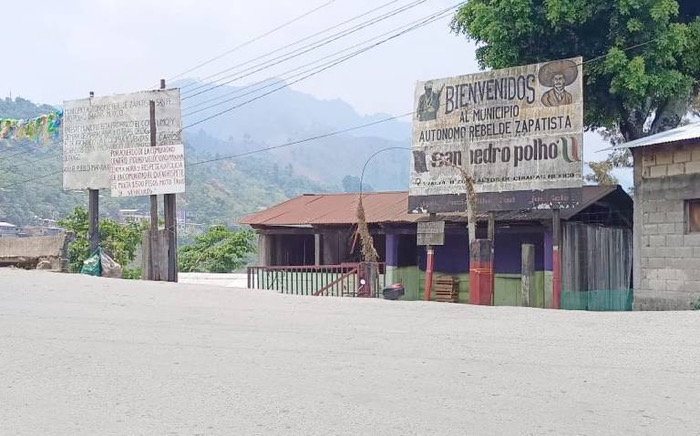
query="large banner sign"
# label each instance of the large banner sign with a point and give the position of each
(516, 129)
(96, 128)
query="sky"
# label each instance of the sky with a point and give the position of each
(63, 51)
(114, 46)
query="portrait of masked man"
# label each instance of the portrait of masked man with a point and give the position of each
(429, 103)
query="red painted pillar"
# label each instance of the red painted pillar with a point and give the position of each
(481, 272)
(429, 268)
(556, 260)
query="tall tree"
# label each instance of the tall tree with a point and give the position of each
(642, 57)
(219, 250)
(120, 241)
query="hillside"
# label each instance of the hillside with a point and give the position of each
(279, 116)
(224, 190)
(218, 192)
(289, 115)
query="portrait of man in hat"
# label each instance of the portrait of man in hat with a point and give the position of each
(558, 75)
(428, 103)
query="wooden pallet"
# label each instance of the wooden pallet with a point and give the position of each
(446, 289)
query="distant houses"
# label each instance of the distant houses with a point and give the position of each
(8, 230)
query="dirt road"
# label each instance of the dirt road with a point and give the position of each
(80, 355)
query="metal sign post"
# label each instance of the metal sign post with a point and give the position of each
(429, 234)
(170, 213)
(93, 213)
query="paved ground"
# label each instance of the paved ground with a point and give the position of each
(225, 280)
(80, 355)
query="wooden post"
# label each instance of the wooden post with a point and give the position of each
(93, 213)
(480, 272)
(170, 212)
(264, 249)
(527, 288)
(556, 260)
(429, 267)
(94, 218)
(492, 237)
(153, 253)
(317, 249)
(492, 227)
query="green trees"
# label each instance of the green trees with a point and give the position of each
(120, 241)
(643, 56)
(624, 91)
(219, 250)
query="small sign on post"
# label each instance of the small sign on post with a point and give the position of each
(148, 171)
(431, 233)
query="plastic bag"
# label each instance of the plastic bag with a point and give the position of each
(92, 265)
(110, 268)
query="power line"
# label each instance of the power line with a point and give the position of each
(293, 54)
(31, 148)
(323, 69)
(252, 40)
(49, 154)
(301, 141)
(31, 180)
(298, 41)
(425, 22)
(239, 90)
(428, 20)
(431, 19)
(597, 58)
(288, 144)
(238, 93)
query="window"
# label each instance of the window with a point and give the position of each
(693, 208)
(408, 252)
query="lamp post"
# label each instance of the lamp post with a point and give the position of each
(369, 253)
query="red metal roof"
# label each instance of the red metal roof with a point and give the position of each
(391, 207)
(329, 209)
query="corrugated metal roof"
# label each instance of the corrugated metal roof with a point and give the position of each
(318, 209)
(387, 207)
(679, 134)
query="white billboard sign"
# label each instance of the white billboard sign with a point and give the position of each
(93, 127)
(148, 170)
(513, 129)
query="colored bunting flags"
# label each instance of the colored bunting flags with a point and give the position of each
(35, 129)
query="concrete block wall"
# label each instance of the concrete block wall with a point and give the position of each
(29, 252)
(666, 256)
(663, 161)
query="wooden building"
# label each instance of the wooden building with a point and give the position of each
(314, 235)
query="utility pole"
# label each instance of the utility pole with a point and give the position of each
(93, 214)
(492, 237)
(157, 271)
(429, 267)
(170, 211)
(154, 246)
(556, 259)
